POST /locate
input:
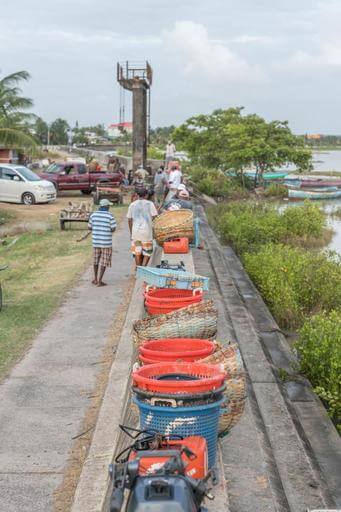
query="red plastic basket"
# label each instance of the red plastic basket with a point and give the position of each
(165, 300)
(176, 378)
(176, 349)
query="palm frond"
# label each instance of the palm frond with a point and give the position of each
(14, 138)
(14, 78)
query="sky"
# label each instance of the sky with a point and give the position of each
(279, 59)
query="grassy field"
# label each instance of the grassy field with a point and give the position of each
(44, 263)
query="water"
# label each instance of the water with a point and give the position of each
(327, 160)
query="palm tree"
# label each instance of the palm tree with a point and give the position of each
(14, 120)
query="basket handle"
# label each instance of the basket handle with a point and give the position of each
(171, 401)
(196, 291)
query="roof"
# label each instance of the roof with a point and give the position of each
(127, 124)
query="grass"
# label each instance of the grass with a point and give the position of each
(6, 216)
(43, 266)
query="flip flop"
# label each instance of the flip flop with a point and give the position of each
(94, 282)
(101, 284)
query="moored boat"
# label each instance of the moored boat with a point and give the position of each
(314, 194)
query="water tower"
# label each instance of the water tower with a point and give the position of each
(137, 77)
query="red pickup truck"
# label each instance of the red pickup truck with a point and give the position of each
(76, 176)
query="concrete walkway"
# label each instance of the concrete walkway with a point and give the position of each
(47, 395)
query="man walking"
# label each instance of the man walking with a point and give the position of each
(174, 180)
(102, 224)
(160, 182)
(140, 217)
(170, 151)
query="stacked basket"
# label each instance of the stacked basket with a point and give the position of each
(181, 399)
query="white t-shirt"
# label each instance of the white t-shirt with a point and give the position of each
(174, 179)
(142, 212)
(170, 150)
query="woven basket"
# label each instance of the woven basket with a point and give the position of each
(235, 392)
(173, 224)
(230, 415)
(229, 356)
(194, 321)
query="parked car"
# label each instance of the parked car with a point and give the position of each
(76, 176)
(18, 184)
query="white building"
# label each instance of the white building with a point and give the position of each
(117, 129)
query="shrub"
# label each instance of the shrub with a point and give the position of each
(319, 349)
(214, 183)
(295, 283)
(155, 153)
(276, 190)
(248, 225)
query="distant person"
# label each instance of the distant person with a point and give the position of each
(130, 176)
(102, 224)
(160, 182)
(142, 172)
(140, 217)
(174, 180)
(180, 200)
(170, 151)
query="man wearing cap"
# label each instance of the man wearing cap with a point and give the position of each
(140, 218)
(102, 224)
(180, 200)
(174, 180)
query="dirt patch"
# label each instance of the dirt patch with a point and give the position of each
(64, 494)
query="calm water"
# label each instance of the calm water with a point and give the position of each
(327, 161)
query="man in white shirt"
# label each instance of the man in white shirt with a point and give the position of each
(140, 219)
(174, 180)
(170, 151)
(142, 172)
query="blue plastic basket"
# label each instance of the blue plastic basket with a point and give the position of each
(165, 278)
(184, 421)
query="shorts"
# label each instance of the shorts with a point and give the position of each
(102, 256)
(144, 248)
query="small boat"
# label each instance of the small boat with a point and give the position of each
(320, 183)
(314, 194)
(267, 175)
(296, 186)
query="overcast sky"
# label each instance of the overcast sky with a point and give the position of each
(280, 59)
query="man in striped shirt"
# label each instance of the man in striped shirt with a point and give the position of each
(102, 224)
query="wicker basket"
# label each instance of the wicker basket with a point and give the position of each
(195, 321)
(229, 356)
(174, 224)
(230, 415)
(235, 392)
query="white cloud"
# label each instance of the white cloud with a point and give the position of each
(208, 58)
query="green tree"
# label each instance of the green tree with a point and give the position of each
(228, 140)
(15, 121)
(40, 129)
(58, 132)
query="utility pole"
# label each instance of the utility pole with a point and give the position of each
(137, 78)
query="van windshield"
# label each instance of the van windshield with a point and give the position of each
(27, 174)
(54, 168)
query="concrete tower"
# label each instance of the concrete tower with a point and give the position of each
(137, 78)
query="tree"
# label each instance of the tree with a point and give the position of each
(15, 122)
(40, 129)
(59, 132)
(228, 140)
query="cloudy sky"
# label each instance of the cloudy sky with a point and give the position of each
(278, 58)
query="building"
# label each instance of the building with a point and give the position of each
(117, 129)
(8, 156)
(314, 136)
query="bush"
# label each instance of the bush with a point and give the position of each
(276, 190)
(319, 349)
(248, 225)
(155, 153)
(295, 283)
(215, 184)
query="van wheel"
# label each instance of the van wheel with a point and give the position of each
(86, 192)
(28, 198)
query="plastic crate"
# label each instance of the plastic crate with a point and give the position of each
(165, 278)
(184, 421)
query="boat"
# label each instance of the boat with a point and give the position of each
(267, 175)
(321, 183)
(313, 194)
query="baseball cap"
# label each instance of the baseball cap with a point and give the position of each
(181, 187)
(105, 202)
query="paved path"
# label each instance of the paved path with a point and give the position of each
(47, 395)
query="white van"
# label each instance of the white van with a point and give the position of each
(18, 184)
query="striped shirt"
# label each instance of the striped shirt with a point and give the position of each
(102, 224)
